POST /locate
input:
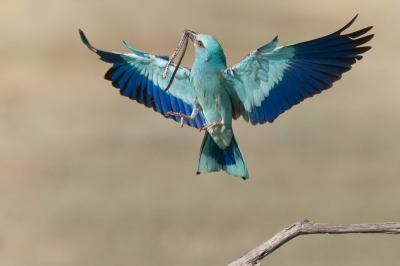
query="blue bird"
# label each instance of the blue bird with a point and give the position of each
(260, 87)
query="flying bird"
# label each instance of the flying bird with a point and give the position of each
(260, 87)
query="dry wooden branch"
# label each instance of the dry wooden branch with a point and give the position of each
(305, 228)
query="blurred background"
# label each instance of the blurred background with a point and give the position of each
(88, 177)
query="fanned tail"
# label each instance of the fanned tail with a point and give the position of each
(213, 159)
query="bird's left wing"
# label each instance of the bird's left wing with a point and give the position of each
(270, 80)
(139, 76)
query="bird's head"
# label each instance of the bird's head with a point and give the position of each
(207, 48)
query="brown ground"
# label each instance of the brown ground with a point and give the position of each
(90, 178)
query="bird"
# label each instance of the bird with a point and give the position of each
(209, 96)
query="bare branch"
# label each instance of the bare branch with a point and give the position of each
(306, 228)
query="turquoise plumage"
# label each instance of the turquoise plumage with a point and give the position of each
(266, 83)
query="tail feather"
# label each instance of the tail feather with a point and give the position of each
(213, 159)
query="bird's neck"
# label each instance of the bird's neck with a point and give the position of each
(212, 63)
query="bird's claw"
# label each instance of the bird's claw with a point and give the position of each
(182, 116)
(211, 126)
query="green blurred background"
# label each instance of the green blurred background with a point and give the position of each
(88, 177)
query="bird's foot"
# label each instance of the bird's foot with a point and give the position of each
(211, 126)
(182, 116)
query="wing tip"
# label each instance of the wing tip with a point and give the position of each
(86, 42)
(347, 25)
(136, 51)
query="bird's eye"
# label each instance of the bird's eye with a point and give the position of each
(200, 44)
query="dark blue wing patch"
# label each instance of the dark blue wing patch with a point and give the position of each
(316, 64)
(141, 88)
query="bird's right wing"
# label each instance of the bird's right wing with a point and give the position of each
(139, 76)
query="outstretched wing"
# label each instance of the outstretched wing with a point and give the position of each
(270, 80)
(139, 77)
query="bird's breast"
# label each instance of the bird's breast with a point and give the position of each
(215, 102)
(213, 97)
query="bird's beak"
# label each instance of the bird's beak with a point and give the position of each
(191, 34)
